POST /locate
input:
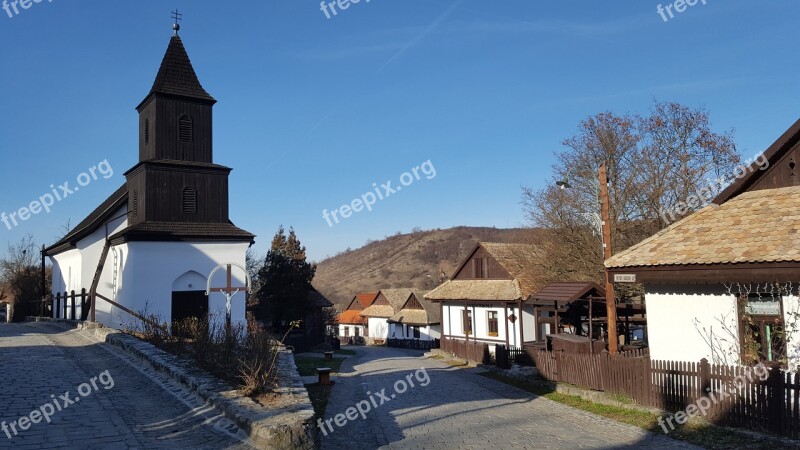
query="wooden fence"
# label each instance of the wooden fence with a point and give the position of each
(474, 351)
(758, 398)
(418, 344)
(70, 305)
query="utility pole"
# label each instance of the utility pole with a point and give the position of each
(611, 305)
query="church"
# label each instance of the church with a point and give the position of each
(151, 246)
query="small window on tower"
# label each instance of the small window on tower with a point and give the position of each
(135, 207)
(185, 129)
(146, 131)
(189, 201)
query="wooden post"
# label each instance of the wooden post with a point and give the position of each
(591, 335)
(521, 322)
(44, 285)
(704, 383)
(777, 398)
(611, 306)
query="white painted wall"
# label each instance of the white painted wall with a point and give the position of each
(452, 323)
(688, 323)
(377, 327)
(352, 329)
(529, 322)
(426, 333)
(791, 320)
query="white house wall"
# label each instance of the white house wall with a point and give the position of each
(426, 333)
(452, 323)
(688, 323)
(377, 327)
(791, 320)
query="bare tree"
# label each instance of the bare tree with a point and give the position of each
(20, 273)
(653, 163)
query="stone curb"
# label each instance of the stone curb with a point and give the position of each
(288, 426)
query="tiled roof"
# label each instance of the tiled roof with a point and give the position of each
(365, 299)
(754, 227)
(384, 311)
(397, 297)
(351, 317)
(429, 315)
(518, 260)
(488, 290)
(567, 292)
(176, 75)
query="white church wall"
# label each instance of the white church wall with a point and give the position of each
(688, 323)
(66, 271)
(152, 269)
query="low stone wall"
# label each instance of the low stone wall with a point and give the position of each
(288, 424)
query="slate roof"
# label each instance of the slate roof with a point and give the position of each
(176, 75)
(753, 227)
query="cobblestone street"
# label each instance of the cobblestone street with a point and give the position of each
(143, 409)
(462, 410)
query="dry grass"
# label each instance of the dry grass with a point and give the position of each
(243, 356)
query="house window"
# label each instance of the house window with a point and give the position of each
(416, 332)
(346, 331)
(762, 325)
(467, 321)
(185, 132)
(189, 201)
(146, 131)
(357, 331)
(491, 318)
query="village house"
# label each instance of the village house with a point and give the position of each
(417, 321)
(152, 244)
(485, 299)
(353, 327)
(722, 283)
(386, 304)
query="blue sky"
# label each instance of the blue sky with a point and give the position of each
(312, 111)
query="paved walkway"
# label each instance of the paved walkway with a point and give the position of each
(131, 407)
(456, 409)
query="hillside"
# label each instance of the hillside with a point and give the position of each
(407, 260)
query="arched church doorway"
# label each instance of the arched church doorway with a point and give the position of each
(189, 297)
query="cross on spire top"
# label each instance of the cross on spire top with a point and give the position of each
(177, 16)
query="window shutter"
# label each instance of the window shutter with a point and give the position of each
(189, 201)
(185, 131)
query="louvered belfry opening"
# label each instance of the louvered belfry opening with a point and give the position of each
(185, 131)
(189, 201)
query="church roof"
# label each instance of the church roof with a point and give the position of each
(179, 231)
(92, 222)
(176, 76)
